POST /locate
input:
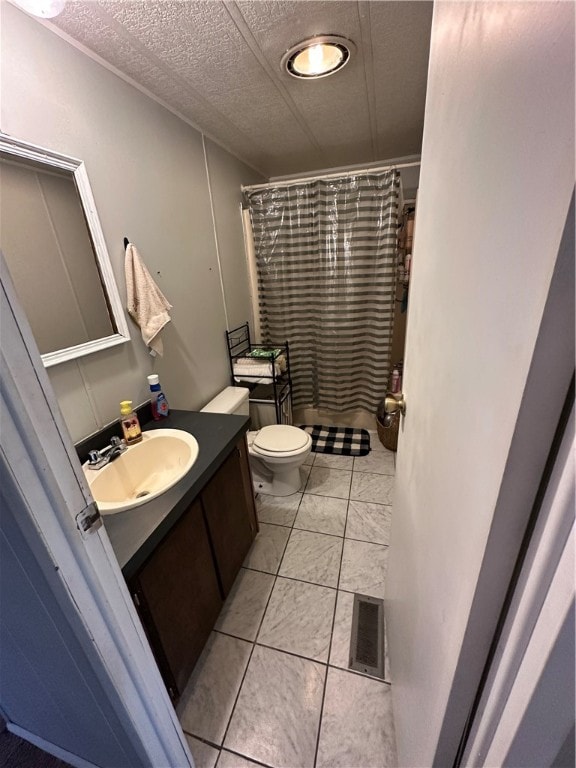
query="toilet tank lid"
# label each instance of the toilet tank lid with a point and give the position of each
(227, 401)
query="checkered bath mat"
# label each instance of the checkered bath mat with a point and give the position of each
(339, 440)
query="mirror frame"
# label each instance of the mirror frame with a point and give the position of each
(26, 151)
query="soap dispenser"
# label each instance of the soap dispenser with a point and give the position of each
(130, 423)
(159, 403)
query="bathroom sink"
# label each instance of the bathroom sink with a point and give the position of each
(144, 471)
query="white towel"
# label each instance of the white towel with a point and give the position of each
(145, 302)
(255, 370)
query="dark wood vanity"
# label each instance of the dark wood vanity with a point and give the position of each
(180, 589)
(181, 553)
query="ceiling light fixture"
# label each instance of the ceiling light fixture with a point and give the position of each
(45, 9)
(317, 56)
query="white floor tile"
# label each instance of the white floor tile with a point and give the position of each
(207, 701)
(280, 510)
(357, 724)
(378, 462)
(230, 760)
(299, 619)
(369, 522)
(322, 514)
(329, 482)
(370, 487)
(242, 612)
(267, 549)
(342, 634)
(375, 442)
(204, 755)
(312, 557)
(304, 475)
(276, 717)
(334, 461)
(364, 568)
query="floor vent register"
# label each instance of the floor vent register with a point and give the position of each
(367, 641)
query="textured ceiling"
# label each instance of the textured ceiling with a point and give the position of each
(218, 65)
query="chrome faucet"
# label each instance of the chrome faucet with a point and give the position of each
(99, 459)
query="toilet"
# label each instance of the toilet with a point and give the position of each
(276, 451)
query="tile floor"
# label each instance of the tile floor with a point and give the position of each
(272, 687)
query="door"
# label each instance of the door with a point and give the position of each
(230, 518)
(81, 575)
(527, 707)
(178, 597)
(489, 349)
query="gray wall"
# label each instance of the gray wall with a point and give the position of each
(148, 172)
(48, 683)
(551, 707)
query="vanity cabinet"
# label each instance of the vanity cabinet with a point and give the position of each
(178, 598)
(179, 590)
(230, 514)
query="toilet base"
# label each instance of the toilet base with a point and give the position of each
(279, 484)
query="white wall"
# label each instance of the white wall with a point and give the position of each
(495, 187)
(148, 173)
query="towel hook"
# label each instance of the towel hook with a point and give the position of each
(126, 242)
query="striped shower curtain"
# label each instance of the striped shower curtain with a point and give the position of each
(325, 256)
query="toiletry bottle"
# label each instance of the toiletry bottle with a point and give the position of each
(407, 268)
(395, 381)
(130, 423)
(159, 403)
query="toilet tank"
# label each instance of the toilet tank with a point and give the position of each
(230, 400)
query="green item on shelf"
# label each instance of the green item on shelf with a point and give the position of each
(263, 352)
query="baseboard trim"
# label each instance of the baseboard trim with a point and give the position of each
(52, 749)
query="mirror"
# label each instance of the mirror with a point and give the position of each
(53, 244)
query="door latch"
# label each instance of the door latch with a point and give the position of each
(89, 520)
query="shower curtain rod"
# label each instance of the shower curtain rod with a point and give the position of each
(302, 179)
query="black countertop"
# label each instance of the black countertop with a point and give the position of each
(136, 533)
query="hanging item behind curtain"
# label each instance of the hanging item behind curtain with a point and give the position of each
(325, 253)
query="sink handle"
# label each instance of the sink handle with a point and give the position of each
(96, 460)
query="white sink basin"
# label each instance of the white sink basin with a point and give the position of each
(144, 471)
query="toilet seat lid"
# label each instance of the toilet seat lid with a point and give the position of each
(281, 438)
